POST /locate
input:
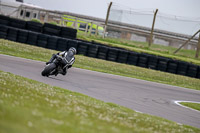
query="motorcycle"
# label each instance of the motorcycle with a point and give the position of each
(56, 67)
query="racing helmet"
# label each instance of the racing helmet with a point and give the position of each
(73, 50)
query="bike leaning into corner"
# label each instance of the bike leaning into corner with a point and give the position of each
(60, 63)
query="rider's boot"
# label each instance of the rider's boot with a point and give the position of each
(64, 72)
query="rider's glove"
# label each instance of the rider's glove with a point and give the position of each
(47, 63)
(69, 66)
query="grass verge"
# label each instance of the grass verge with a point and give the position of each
(28, 106)
(195, 106)
(41, 54)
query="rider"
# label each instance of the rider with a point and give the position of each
(68, 55)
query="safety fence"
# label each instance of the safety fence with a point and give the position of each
(172, 25)
(97, 50)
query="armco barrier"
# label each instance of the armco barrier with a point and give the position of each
(100, 51)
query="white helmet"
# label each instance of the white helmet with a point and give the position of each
(73, 50)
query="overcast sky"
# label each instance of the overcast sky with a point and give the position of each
(98, 8)
(189, 9)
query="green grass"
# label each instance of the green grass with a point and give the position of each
(195, 106)
(28, 106)
(142, 47)
(41, 54)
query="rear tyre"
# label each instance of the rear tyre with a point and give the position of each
(48, 69)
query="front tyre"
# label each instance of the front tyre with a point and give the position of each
(48, 69)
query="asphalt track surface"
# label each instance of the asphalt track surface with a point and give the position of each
(142, 96)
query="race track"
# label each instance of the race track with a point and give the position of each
(143, 96)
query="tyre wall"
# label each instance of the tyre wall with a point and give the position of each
(53, 37)
(46, 28)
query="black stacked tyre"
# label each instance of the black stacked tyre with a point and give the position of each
(22, 36)
(152, 62)
(98, 44)
(172, 66)
(32, 38)
(182, 68)
(4, 20)
(122, 56)
(52, 42)
(17, 23)
(112, 54)
(143, 60)
(198, 72)
(12, 34)
(34, 26)
(72, 43)
(92, 50)
(42, 40)
(62, 44)
(132, 58)
(82, 48)
(3, 31)
(102, 52)
(67, 32)
(162, 64)
(192, 70)
(51, 29)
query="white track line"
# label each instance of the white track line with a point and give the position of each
(178, 103)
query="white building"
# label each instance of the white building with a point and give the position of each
(16, 8)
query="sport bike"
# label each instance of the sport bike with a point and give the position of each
(56, 66)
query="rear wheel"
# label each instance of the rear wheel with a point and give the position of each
(48, 69)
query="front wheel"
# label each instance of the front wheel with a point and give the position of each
(48, 69)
